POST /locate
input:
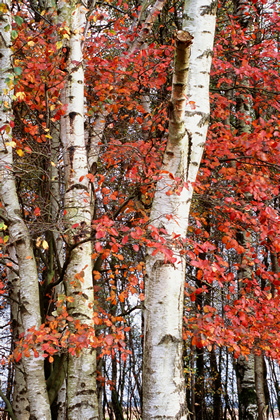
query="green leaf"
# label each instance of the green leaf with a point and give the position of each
(19, 20)
(14, 34)
(3, 226)
(18, 70)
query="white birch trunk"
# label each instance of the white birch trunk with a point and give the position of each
(200, 21)
(20, 402)
(19, 235)
(146, 26)
(81, 395)
(163, 379)
(246, 388)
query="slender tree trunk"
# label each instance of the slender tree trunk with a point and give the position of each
(20, 402)
(200, 408)
(245, 368)
(163, 379)
(162, 370)
(260, 380)
(18, 232)
(245, 374)
(81, 395)
(217, 386)
(57, 397)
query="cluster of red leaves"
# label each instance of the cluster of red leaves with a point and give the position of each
(116, 81)
(234, 284)
(62, 333)
(237, 190)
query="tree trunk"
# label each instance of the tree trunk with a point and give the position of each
(200, 408)
(20, 402)
(162, 366)
(162, 370)
(260, 381)
(18, 232)
(81, 378)
(248, 409)
(245, 368)
(217, 386)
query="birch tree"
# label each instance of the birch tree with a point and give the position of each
(81, 383)
(164, 390)
(19, 239)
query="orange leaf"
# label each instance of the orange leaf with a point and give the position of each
(37, 211)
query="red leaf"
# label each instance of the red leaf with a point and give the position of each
(98, 246)
(109, 339)
(37, 211)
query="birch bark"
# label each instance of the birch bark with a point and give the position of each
(18, 233)
(20, 402)
(247, 398)
(163, 380)
(81, 382)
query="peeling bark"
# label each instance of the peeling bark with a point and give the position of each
(163, 379)
(162, 369)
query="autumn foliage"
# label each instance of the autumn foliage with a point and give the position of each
(233, 244)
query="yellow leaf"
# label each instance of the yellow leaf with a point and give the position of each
(3, 8)
(11, 143)
(31, 43)
(45, 245)
(20, 95)
(20, 152)
(59, 45)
